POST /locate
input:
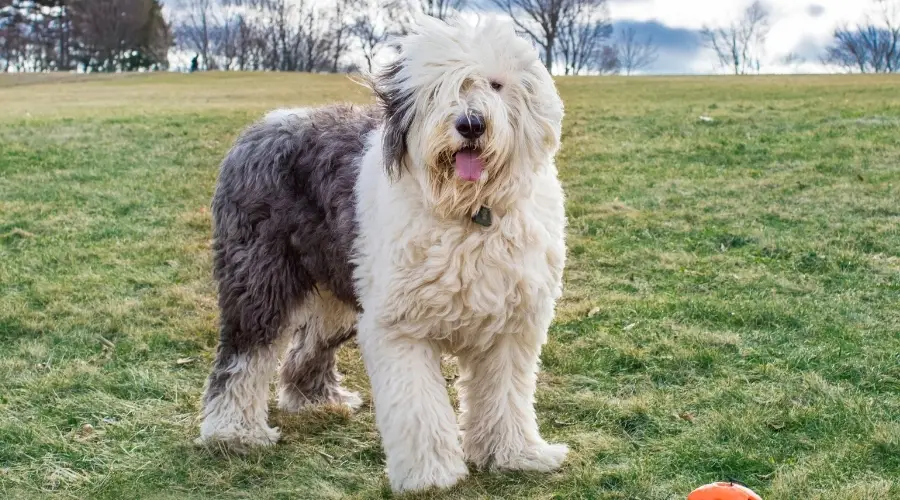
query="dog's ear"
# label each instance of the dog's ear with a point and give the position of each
(396, 99)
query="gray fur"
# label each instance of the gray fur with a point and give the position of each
(396, 99)
(284, 225)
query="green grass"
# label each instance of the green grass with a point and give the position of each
(732, 304)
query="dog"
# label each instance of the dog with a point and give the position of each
(432, 222)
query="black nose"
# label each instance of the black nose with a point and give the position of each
(470, 125)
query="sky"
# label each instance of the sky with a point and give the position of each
(801, 27)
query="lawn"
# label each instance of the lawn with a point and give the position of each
(731, 308)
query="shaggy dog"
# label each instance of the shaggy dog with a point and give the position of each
(430, 223)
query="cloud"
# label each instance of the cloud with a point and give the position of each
(809, 48)
(679, 39)
(678, 48)
(815, 10)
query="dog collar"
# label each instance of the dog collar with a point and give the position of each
(483, 217)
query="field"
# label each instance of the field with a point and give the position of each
(732, 303)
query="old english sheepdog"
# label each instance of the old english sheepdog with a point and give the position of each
(431, 223)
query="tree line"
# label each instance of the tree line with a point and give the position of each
(290, 35)
(83, 35)
(573, 36)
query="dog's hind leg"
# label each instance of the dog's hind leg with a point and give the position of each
(308, 372)
(258, 283)
(235, 404)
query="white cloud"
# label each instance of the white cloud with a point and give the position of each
(691, 14)
(794, 23)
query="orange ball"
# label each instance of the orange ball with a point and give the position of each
(723, 491)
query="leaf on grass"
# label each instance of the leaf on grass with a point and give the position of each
(21, 233)
(184, 361)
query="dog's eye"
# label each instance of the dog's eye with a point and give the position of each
(496, 85)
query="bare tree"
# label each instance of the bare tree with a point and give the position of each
(607, 63)
(740, 44)
(539, 19)
(848, 50)
(119, 34)
(316, 41)
(222, 31)
(872, 46)
(442, 9)
(193, 30)
(283, 36)
(378, 21)
(544, 20)
(584, 29)
(279, 35)
(341, 27)
(635, 54)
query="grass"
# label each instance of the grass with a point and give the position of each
(732, 305)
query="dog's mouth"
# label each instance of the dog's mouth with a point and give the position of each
(469, 164)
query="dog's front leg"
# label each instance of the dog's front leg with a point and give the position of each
(412, 409)
(496, 390)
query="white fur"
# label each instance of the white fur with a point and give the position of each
(430, 280)
(281, 116)
(238, 415)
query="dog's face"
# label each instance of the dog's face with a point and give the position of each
(470, 111)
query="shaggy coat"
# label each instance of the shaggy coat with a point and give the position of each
(341, 219)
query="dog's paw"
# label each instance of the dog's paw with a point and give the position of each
(238, 439)
(349, 399)
(290, 401)
(426, 475)
(541, 457)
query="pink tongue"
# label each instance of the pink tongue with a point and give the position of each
(468, 165)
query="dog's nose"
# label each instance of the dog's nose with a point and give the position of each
(470, 125)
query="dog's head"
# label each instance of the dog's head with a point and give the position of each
(470, 111)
